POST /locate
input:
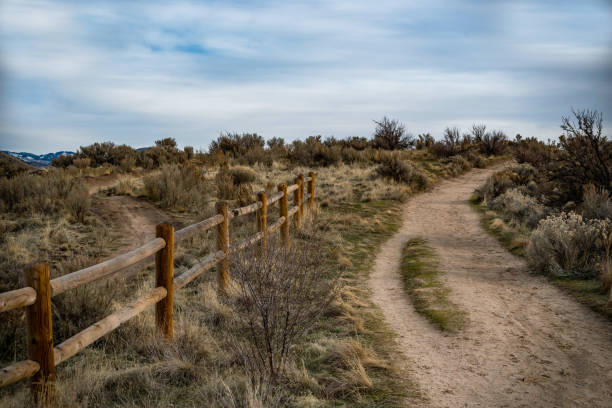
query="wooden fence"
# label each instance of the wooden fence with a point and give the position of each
(36, 296)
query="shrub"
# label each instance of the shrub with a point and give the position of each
(278, 302)
(566, 245)
(78, 204)
(424, 141)
(496, 185)
(524, 173)
(392, 166)
(226, 190)
(236, 144)
(257, 155)
(178, 186)
(534, 152)
(493, 143)
(596, 203)
(460, 163)
(519, 207)
(391, 135)
(313, 152)
(586, 153)
(242, 175)
(46, 193)
(82, 163)
(452, 144)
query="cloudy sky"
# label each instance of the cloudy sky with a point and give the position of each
(76, 72)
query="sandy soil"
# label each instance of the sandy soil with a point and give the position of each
(526, 344)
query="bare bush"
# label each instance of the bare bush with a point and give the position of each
(391, 135)
(282, 293)
(567, 245)
(493, 143)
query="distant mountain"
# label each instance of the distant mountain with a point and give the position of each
(38, 160)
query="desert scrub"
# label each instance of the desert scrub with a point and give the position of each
(178, 187)
(518, 208)
(392, 166)
(424, 284)
(567, 245)
(53, 192)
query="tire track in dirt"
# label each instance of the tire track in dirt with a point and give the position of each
(526, 343)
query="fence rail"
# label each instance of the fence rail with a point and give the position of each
(44, 357)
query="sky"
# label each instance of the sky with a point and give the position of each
(77, 72)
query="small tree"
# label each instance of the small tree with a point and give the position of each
(586, 153)
(391, 135)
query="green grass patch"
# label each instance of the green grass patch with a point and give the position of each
(424, 284)
(585, 291)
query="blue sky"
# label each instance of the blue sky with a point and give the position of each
(73, 73)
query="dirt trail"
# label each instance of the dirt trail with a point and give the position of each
(136, 219)
(526, 344)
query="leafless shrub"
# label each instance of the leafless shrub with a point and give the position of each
(493, 143)
(391, 135)
(281, 295)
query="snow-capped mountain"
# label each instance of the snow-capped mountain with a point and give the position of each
(38, 160)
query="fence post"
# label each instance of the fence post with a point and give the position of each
(262, 219)
(40, 335)
(301, 211)
(311, 189)
(223, 245)
(296, 202)
(164, 276)
(284, 213)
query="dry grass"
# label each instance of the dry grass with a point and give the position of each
(345, 359)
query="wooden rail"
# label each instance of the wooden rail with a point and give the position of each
(44, 357)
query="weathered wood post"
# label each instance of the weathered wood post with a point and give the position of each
(296, 202)
(284, 210)
(40, 335)
(311, 190)
(164, 276)
(301, 188)
(223, 245)
(262, 219)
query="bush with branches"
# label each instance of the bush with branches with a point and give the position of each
(281, 294)
(391, 135)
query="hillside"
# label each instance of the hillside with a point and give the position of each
(10, 166)
(37, 160)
